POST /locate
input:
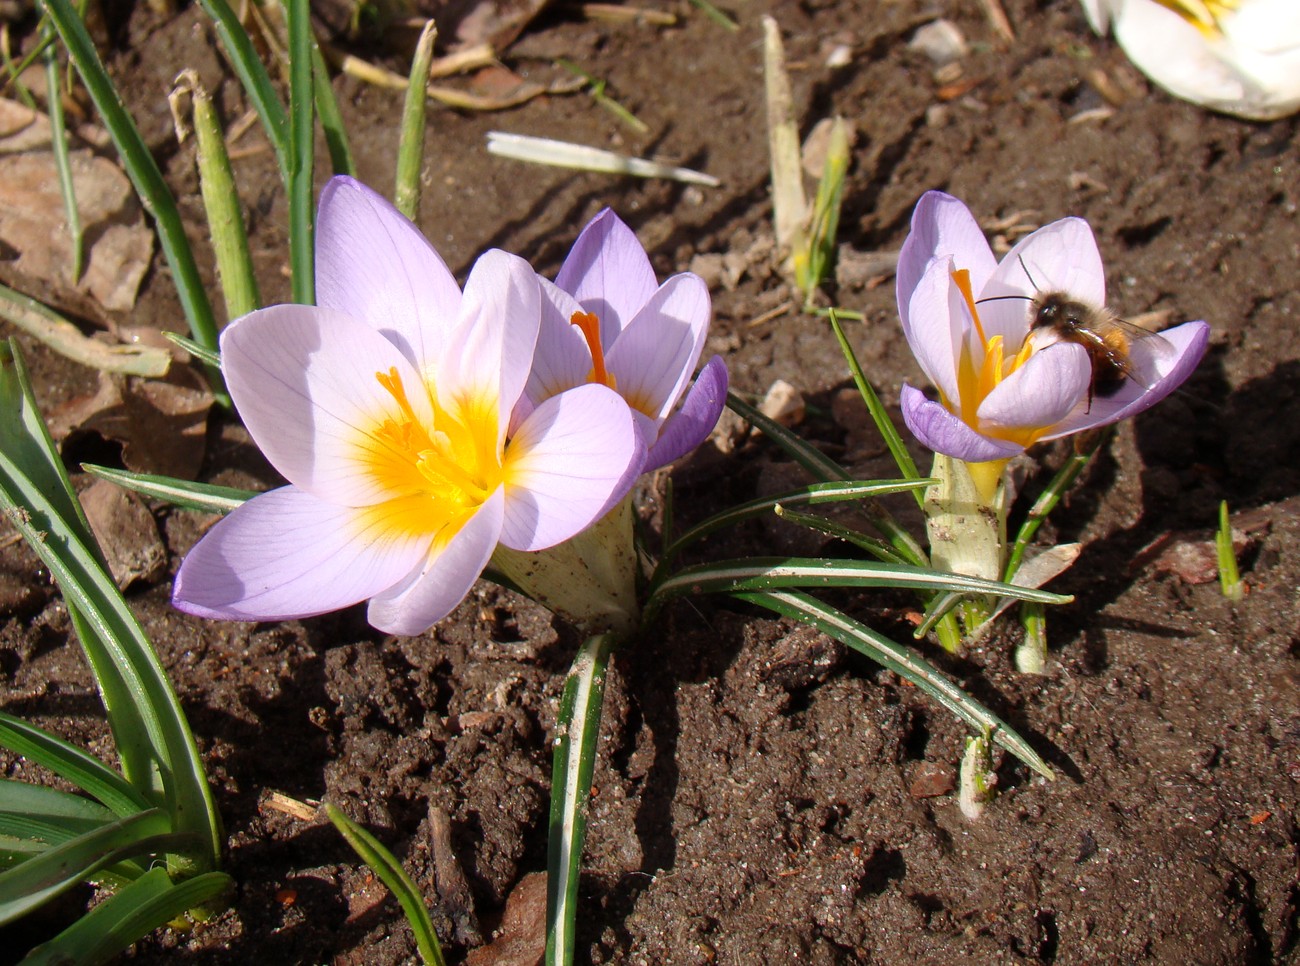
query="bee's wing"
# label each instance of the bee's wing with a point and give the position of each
(1145, 353)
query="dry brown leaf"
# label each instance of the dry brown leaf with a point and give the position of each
(162, 426)
(521, 940)
(126, 531)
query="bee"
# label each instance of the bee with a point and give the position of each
(1108, 339)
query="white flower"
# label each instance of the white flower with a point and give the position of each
(1241, 57)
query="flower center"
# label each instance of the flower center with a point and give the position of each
(1205, 15)
(589, 325)
(983, 366)
(439, 474)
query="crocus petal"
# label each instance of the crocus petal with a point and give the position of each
(563, 358)
(944, 433)
(1040, 393)
(942, 227)
(573, 458)
(285, 554)
(653, 359)
(442, 579)
(374, 265)
(304, 381)
(489, 353)
(1060, 257)
(940, 320)
(692, 423)
(609, 273)
(1160, 372)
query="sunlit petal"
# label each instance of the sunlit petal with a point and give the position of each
(575, 456)
(691, 424)
(942, 227)
(944, 433)
(441, 580)
(285, 554)
(374, 265)
(1040, 393)
(609, 273)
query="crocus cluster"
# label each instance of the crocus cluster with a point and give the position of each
(1237, 56)
(1003, 383)
(420, 427)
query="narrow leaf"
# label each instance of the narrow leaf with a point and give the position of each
(901, 661)
(203, 497)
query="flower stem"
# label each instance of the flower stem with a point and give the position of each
(968, 532)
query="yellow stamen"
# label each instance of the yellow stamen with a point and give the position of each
(438, 473)
(589, 325)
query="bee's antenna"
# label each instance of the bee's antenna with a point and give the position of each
(1025, 269)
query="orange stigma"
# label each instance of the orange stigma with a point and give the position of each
(590, 328)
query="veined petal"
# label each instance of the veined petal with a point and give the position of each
(691, 424)
(942, 227)
(940, 322)
(944, 433)
(374, 265)
(304, 381)
(653, 359)
(1060, 257)
(571, 460)
(1040, 393)
(285, 554)
(609, 272)
(442, 579)
(563, 358)
(1160, 374)
(489, 354)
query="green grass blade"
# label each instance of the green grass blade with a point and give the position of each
(302, 138)
(810, 496)
(203, 497)
(410, 149)
(26, 886)
(385, 865)
(127, 916)
(206, 356)
(331, 118)
(903, 662)
(59, 147)
(771, 573)
(1047, 500)
(884, 425)
(34, 491)
(221, 204)
(1230, 584)
(145, 176)
(577, 731)
(20, 800)
(71, 763)
(826, 469)
(877, 548)
(252, 75)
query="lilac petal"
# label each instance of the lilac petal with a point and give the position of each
(304, 381)
(489, 353)
(1040, 393)
(1060, 257)
(1160, 372)
(691, 424)
(374, 265)
(442, 579)
(285, 554)
(939, 323)
(563, 358)
(653, 359)
(576, 456)
(944, 433)
(609, 273)
(942, 227)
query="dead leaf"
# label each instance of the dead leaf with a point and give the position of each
(34, 227)
(162, 426)
(126, 531)
(521, 940)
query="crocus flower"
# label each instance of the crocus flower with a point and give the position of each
(606, 320)
(1237, 56)
(968, 319)
(386, 408)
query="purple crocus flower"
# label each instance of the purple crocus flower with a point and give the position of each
(606, 320)
(1004, 385)
(386, 407)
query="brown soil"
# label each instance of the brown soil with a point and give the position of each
(755, 797)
